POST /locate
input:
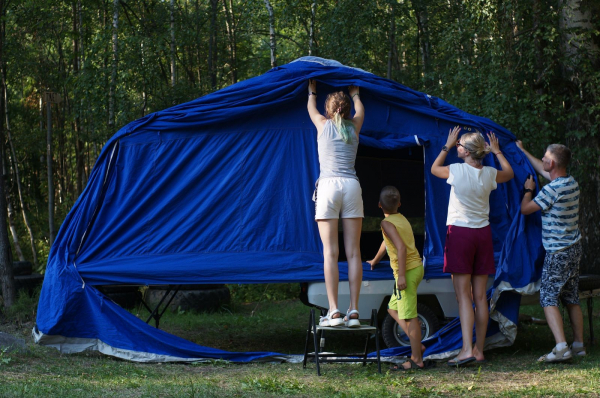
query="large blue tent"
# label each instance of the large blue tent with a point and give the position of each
(218, 190)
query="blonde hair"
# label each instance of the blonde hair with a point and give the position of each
(337, 107)
(475, 144)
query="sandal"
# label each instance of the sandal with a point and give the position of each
(413, 366)
(578, 351)
(557, 355)
(352, 322)
(329, 320)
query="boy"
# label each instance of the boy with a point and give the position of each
(408, 271)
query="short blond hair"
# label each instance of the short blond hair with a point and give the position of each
(475, 144)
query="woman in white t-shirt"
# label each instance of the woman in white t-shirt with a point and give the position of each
(469, 251)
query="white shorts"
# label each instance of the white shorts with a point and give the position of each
(338, 197)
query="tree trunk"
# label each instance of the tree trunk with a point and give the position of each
(16, 168)
(272, 34)
(79, 145)
(421, 13)
(7, 280)
(11, 214)
(115, 61)
(212, 45)
(172, 12)
(578, 50)
(392, 37)
(311, 38)
(231, 36)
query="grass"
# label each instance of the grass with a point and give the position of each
(280, 326)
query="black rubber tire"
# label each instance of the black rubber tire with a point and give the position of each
(127, 296)
(191, 300)
(589, 282)
(21, 268)
(393, 336)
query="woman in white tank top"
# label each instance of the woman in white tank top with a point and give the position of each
(338, 195)
(469, 251)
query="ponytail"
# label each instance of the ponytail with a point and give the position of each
(344, 127)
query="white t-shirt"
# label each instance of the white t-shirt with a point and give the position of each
(470, 195)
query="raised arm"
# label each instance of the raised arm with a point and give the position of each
(378, 256)
(535, 162)
(359, 109)
(437, 168)
(316, 117)
(506, 174)
(390, 231)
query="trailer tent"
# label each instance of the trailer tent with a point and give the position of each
(218, 190)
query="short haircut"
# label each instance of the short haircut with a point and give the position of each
(475, 144)
(389, 198)
(561, 155)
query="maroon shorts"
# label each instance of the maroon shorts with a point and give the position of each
(469, 251)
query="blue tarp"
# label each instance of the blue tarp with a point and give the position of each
(218, 190)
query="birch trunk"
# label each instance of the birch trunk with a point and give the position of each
(272, 34)
(392, 37)
(311, 39)
(578, 50)
(212, 45)
(11, 215)
(115, 61)
(7, 280)
(172, 12)
(231, 36)
(16, 168)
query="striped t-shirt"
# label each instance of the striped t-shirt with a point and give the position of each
(559, 201)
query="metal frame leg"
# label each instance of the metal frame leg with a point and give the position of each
(308, 331)
(590, 307)
(316, 341)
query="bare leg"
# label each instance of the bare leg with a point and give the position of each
(576, 317)
(482, 313)
(556, 323)
(414, 334)
(328, 229)
(352, 230)
(404, 326)
(401, 322)
(462, 287)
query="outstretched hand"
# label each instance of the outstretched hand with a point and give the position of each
(520, 145)
(494, 144)
(372, 263)
(353, 90)
(530, 183)
(452, 137)
(312, 86)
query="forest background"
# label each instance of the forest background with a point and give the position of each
(532, 66)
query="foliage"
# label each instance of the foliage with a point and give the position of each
(25, 307)
(514, 62)
(268, 292)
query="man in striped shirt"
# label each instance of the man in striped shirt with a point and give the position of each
(559, 203)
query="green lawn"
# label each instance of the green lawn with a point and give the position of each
(280, 326)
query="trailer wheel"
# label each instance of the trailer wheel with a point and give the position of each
(394, 336)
